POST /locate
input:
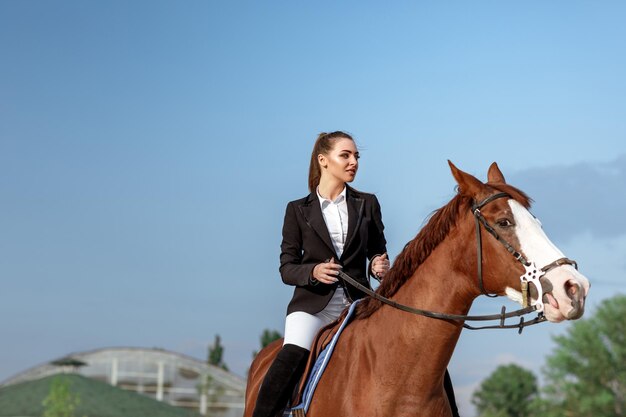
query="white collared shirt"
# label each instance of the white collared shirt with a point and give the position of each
(336, 217)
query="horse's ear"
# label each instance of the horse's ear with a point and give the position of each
(495, 175)
(469, 185)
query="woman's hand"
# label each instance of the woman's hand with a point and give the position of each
(326, 272)
(380, 265)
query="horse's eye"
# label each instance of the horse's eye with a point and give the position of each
(504, 223)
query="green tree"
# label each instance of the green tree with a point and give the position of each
(216, 353)
(508, 392)
(586, 374)
(60, 402)
(267, 337)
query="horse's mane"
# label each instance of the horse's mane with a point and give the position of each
(416, 251)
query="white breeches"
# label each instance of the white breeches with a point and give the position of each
(301, 327)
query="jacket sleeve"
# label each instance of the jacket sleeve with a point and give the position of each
(377, 244)
(292, 270)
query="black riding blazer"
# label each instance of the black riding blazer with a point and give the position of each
(306, 243)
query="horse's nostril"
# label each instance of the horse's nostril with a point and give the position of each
(571, 289)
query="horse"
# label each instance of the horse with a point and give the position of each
(392, 363)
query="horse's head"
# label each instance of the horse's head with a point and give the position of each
(515, 249)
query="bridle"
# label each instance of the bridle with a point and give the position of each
(531, 275)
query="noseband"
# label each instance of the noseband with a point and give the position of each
(531, 275)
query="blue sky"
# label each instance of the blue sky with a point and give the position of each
(148, 149)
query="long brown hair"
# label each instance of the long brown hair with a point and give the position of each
(323, 145)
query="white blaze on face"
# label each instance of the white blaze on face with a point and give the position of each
(535, 245)
(537, 248)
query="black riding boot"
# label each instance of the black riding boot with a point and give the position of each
(280, 381)
(447, 385)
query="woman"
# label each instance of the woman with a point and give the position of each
(335, 227)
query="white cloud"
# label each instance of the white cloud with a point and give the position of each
(463, 395)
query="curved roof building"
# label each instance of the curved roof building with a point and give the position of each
(166, 376)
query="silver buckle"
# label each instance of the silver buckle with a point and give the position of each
(532, 275)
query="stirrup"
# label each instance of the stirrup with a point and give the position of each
(298, 412)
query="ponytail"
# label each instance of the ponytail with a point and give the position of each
(324, 143)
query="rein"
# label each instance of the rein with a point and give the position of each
(453, 317)
(532, 275)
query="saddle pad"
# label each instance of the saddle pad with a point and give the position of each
(318, 369)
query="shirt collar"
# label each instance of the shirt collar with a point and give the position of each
(325, 201)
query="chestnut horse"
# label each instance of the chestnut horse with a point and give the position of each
(391, 363)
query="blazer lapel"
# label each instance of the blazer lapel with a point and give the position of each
(312, 213)
(355, 214)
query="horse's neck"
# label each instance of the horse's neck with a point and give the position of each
(440, 283)
(426, 344)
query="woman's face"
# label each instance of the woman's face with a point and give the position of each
(342, 162)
